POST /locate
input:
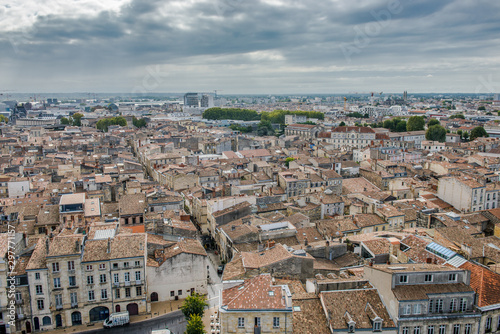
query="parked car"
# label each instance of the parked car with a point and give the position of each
(220, 269)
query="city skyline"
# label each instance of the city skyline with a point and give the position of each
(265, 47)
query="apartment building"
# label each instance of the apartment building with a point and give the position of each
(426, 298)
(351, 137)
(77, 279)
(293, 183)
(256, 306)
(464, 193)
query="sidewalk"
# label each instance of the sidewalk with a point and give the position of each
(157, 309)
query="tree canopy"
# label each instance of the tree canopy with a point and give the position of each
(415, 123)
(3, 119)
(104, 123)
(194, 305)
(436, 133)
(357, 115)
(477, 132)
(139, 122)
(77, 119)
(238, 114)
(278, 116)
(64, 121)
(432, 122)
(195, 325)
(461, 116)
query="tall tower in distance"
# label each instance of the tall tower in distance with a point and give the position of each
(191, 100)
(405, 95)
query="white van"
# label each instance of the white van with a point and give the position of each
(117, 319)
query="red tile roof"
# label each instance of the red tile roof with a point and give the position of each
(254, 294)
(485, 282)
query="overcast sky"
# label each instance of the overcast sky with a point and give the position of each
(250, 46)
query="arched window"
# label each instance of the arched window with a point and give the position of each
(46, 321)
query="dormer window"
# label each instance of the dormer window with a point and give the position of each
(377, 326)
(352, 327)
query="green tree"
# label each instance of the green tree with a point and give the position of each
(461, 116)
(477, 132)
(231, 113)
(288, 160)
(194, 305)
(195, 325)
(4, 119)
(64, 121)
(459, 132)
(401, 126)
(265, 128)
(481, 108)
(432, 122)
(436, 132)
(415, 123)
(465, 135)
(342, 123)
(77, 119)
(139, 122)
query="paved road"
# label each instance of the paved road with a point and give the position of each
(174, 321)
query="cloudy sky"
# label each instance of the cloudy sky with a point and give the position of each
(250, 46)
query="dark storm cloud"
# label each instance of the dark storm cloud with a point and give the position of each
(349, 38)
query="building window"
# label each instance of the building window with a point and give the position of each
(138, 291)
(137, 275)
(179, 292)
(416, 330)
(407, 309)
(91, 295)
(430, 329)
(90, 279)
(417, 309)
(241, 322)
(39, 304)
(137, 263)
(39, 290)
(125, 264)
(102, 266)
(439, 306)
(115, 265)
(71, 265)
(72, 281)
(89, 267)
(463, 304)
(456, 329)
(377, 326)
(487, 326)
(276, 322)
(172, 293)
(127, 277)
(468, 329)
(428, 278)
(74, 298)
(55, 267)
(257, 321)
(104, 293)
(127, 292)
(116, 278)
(405, 330)
(453, 305)
(59, 302)
(117, 293)
(37, 275)
(442, 329)
(57, 283)
(452, 277)
(403, 279)
(102, 278)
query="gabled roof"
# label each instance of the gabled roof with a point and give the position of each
(485, 282)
